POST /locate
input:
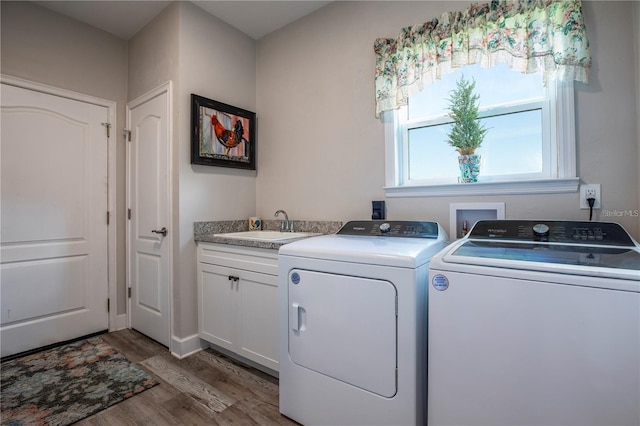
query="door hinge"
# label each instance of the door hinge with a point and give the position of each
(127, 135)
(108, 217)
(108, 126)
(108, 305)
(129, 214)
(129, 292)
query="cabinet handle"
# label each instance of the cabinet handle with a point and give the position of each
(232, 278)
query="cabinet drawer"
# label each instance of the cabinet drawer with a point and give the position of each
(264, 261)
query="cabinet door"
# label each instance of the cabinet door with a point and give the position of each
(258, 339)
(218, 305)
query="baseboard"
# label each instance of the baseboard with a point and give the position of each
(241, 359)
(120, 323)
(181, 348)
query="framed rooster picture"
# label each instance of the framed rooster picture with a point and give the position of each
(222, 135)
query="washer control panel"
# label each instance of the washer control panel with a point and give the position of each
(390, 228)
(568, 232)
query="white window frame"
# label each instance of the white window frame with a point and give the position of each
(563, 178)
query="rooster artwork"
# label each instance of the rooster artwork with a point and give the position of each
(222, 135)
(228, 138)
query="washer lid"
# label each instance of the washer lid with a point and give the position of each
(553, 231)
(592, 249)
(566, 254)
(592, 244)
(383, 251)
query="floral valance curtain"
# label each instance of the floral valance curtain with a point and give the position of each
(528, 35)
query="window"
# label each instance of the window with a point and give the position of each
(529, 147)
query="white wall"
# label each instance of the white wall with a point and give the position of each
(218, 62)
(322, 150)
(153, 54)
(607, 111)
(46, 47)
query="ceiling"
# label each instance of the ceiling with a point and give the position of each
(125, 18)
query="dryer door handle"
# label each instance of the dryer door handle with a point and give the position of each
(296, 317)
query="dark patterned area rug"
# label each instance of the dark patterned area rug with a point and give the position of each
(62, 385)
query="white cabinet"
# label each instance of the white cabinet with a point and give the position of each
(238, 300)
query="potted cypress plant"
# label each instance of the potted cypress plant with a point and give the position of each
(467, 132)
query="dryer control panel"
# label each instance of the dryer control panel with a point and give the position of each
(390, 228)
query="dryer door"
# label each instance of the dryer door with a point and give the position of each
(344, 327)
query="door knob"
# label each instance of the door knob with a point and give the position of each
(162, 231)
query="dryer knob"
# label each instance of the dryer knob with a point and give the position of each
(385, 228)
(540, 232)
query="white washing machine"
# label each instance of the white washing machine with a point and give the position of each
(353, 332)
(535, 323)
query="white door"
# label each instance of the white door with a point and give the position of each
(54, 233)
(149, 197)
(344, 327)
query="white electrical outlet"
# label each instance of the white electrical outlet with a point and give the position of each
(590, 191)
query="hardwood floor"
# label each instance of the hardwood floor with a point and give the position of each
(204, 388)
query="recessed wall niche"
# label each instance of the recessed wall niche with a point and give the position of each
(459, 213)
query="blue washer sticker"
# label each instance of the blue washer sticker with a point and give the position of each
(295, 278)
(440, 282)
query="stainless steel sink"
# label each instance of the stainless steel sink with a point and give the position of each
(273, 236)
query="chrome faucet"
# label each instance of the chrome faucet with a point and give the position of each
(286, 226)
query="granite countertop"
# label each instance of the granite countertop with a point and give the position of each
(213, 232)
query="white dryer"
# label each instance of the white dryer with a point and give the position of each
(535, 323)
(353, 332)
